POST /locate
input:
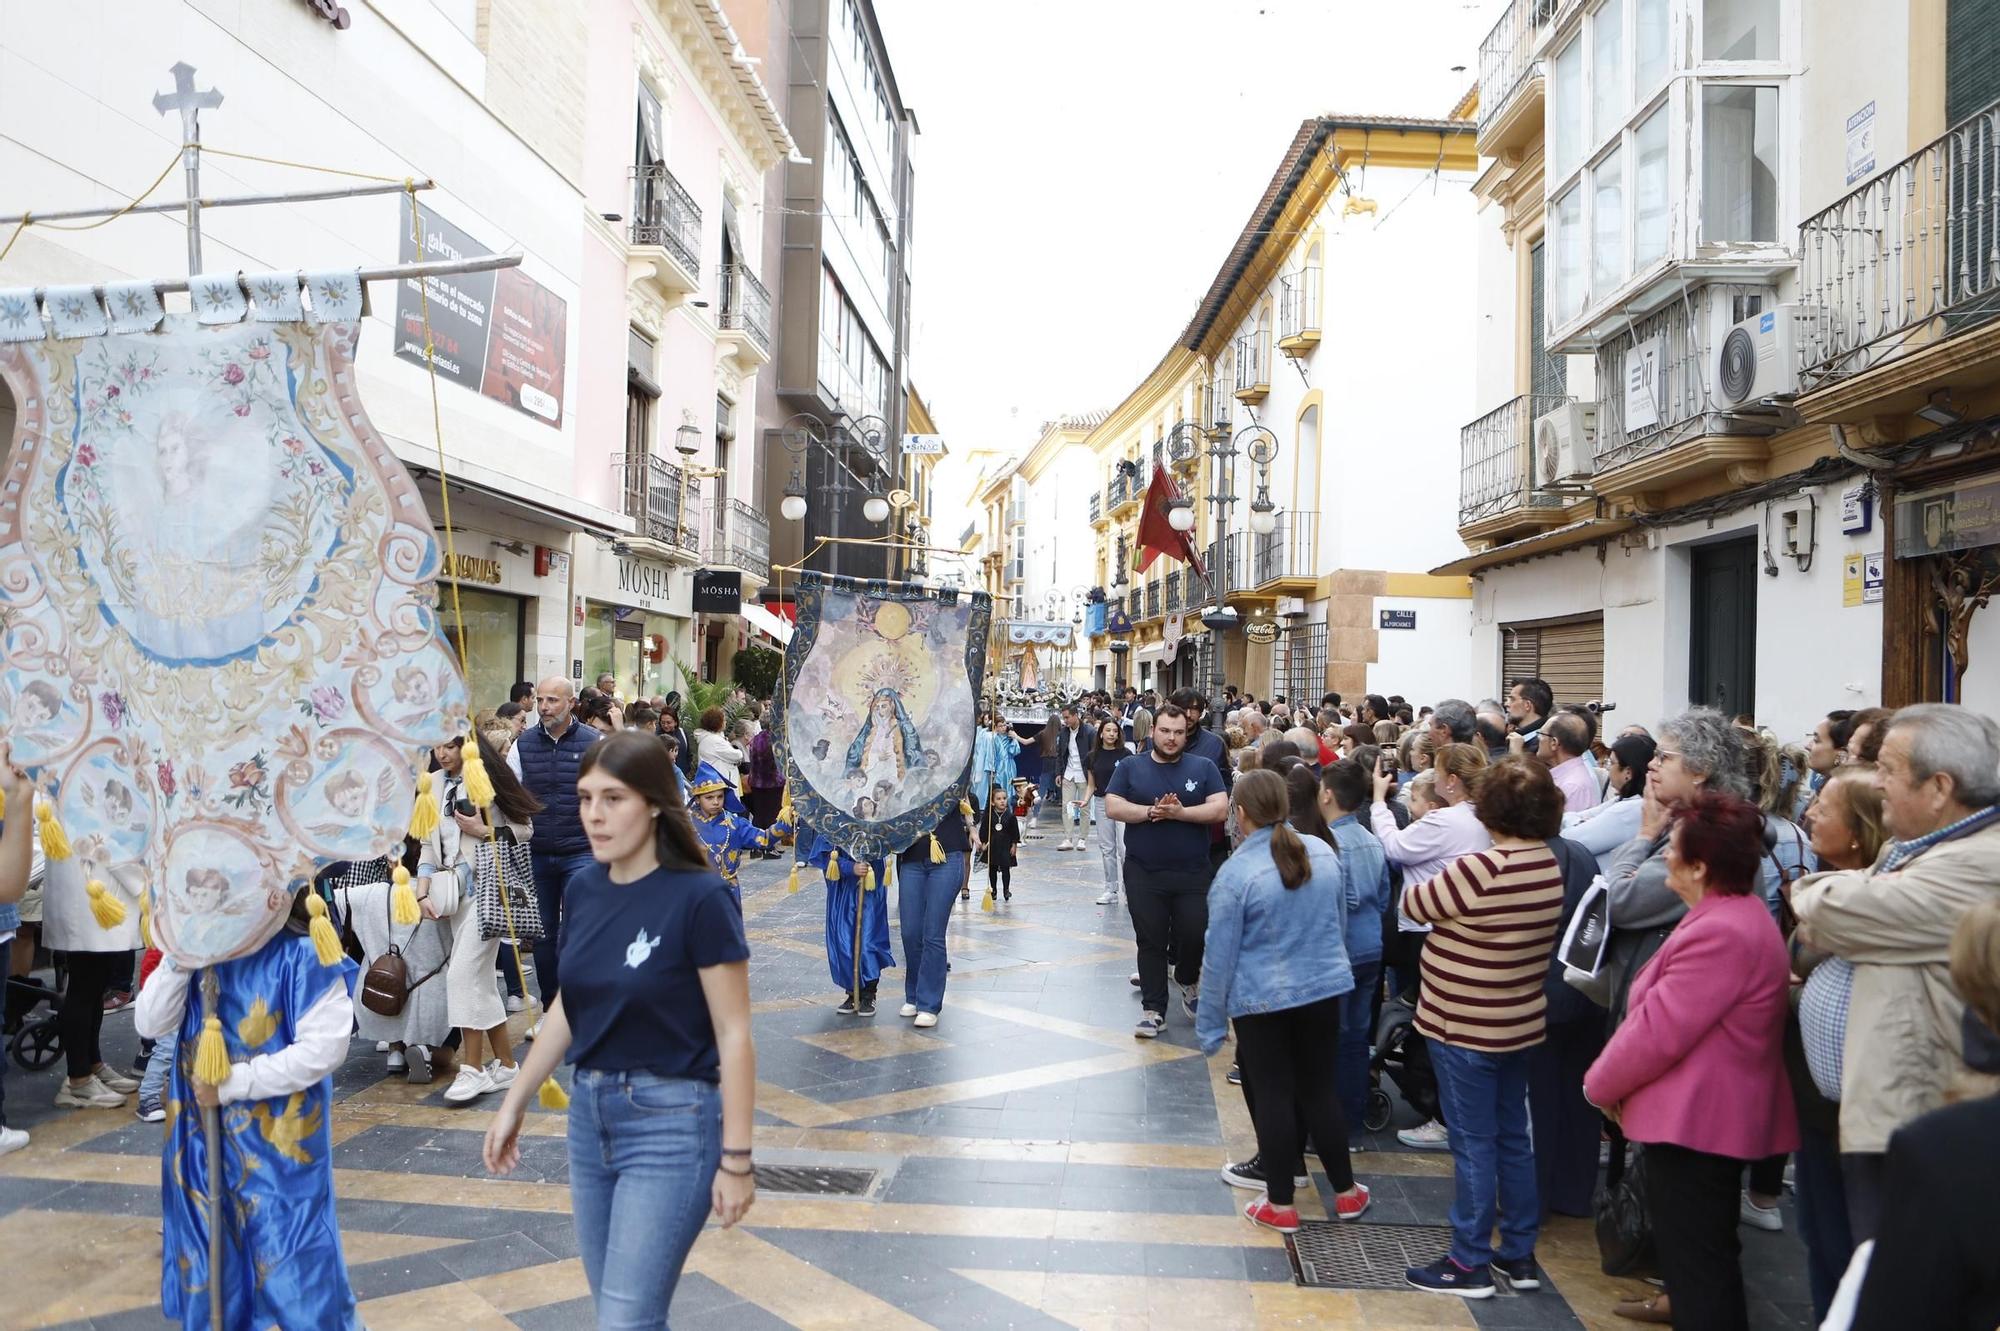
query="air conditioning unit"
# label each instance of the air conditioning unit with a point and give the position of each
(1565, 443)
(1758, 359)
(1291, 607)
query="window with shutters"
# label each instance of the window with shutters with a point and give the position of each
(1298, 662)
(1568, 654)
(1547, 374)
(1971, 57)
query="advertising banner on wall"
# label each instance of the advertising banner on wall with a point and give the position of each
(501, 333)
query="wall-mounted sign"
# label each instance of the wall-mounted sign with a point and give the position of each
(1861, 144)
(331, 12)
(1963, 517)
(1645, 382)
(923, 445)
(718, 593)
(501, 333)
(465, 568)
(576, 667)
(1871, 578)
(1261, 630)
(1398, 619)
(1850, 580)
(1857, 509)
(551, 563)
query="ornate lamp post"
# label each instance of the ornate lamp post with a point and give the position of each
(1261, 446)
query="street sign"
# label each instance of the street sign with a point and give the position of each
(923, 445)
(1399, 619)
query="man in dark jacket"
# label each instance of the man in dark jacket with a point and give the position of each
(547, 756)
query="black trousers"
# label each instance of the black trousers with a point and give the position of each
(81, 1016)
(1166, 904)
(1866, 1175)
(1567, 1126)
(1691, 1197)
(1288, 1060)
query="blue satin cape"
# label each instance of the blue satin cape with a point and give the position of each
(876, 953)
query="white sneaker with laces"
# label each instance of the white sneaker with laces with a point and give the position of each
(1432, 1136)
(468, 1085)
(93, 1094)
(926, 1019)
(1759, 1217)
(1108, 897)
(516, 1003)
(381, 1046)
(907, 1010)
(500, 1075)
(397, 1063)
(12, 1140)
(114, 1079)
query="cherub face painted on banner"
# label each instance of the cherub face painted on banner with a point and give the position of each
(220, 652)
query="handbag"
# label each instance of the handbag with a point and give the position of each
(503, 885)
(386, 985)
(1624, 1232)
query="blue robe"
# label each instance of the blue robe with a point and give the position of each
(728, 837)
(876, 953)
(277, 1161)
(992, 764)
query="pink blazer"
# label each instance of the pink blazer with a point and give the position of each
(1699, 1060)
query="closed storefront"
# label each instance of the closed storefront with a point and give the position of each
(502, 598)
(1567, 653)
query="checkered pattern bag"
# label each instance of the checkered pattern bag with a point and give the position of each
(503, 885)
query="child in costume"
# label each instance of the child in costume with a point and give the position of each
(843, 885)
(286, 1011)
(1000, 833)
(727, 835)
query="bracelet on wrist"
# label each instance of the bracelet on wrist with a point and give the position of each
(737, 1173)
(728, 1151)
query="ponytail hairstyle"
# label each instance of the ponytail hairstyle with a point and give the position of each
(1261, 797)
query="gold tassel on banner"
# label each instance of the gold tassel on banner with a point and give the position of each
(3, 804)
(146, 920)
(478, 784)
(833, 867)
(986, 902)
(937, 850)
(403, 908)
(792, 883)
(326, 943)
(55, 843)
(867, 876)
(552, 1095)
(211, 1055)
(424, 816)
(889, 872)
(107, 910)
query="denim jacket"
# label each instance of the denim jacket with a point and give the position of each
(1269, 949)
(1365, 871)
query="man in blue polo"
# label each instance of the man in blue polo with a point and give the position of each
(546, 756)
(1168, 799)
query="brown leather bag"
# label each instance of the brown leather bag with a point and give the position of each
(386, 986)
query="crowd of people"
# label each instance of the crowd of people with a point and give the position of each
(1796, 977)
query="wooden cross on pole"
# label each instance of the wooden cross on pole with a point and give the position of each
(190, 104)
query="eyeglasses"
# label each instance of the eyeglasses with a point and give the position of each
(1666, 755)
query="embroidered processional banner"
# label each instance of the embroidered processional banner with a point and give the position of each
(882, 681)
(221, 658)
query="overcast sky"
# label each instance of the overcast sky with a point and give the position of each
(1086, 164)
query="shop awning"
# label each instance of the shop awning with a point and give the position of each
(778, 629)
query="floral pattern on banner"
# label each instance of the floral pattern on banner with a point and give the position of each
(220, 657)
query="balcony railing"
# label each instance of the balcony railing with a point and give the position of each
(1685, 408)
(1908, 259)
(665, 214)
(746, 304)
(1153, 600)
(1159, 456)
(1096, 505)
(1227, 565)
(1298, 305)
(1507, 56)
(1290, 551)
(1118, 492)
(738, 537)
(652, 491)
(1173, 601)
(1496, 470)
(1253, 361)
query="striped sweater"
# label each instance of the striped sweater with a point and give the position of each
(1494, 915)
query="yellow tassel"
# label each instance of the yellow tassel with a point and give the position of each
(552, 1095)
(3, 804)
(792, 883)
(55, 844)
(965, 808)
(326, 943)
(937, 850)
(146, 920)
(403, 898)
(108, 910)
(478, 785)
(424, 817)
(867, 876)
(889, 872)
(986, 903)
(211, 1055)
(833, 867)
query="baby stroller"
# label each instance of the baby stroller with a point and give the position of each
(1400, 1052)
(31, 1023)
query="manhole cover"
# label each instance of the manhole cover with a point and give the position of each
(1329, 1254)
(815, 1180)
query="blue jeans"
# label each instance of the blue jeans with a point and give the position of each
(159, 1064)
(1485, 1100)
(552, 875)
(1357, 1024)
(643, 1150)
(925, 895)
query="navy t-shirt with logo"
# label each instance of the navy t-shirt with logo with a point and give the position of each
(1169, 844)
(631, 953)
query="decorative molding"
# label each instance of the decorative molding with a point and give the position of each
(646, 310)
(653, 65)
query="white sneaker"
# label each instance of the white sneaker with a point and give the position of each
(1108, 897)
(114, 1079)
(381, 1046)
(926, 1019)
(1432, 1136)
(93, 1094)
(907, 1010)
(516, 1003)
(1759, 1217)
(12, 1140)
(500, 1075)
(397, 1063)
(534, 1030)
(1067, 845)
(469, 1085)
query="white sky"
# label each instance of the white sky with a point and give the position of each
(1085, 166)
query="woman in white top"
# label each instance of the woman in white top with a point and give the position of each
(472, 999)
(1423, 848)
(713, 748)
(1603, 829)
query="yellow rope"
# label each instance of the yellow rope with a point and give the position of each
(305, 166)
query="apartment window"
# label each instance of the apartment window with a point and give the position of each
(1609, 94)
(1649, 45)
(1739, 166)
(1607, 223)
(1565, 132)
(1649, 189)
(1566, 287)
(1739, 30)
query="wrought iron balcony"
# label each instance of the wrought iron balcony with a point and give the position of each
(746, 305)
(1253, 366)
(1496, 472)
(664, 214)
(1153, 600)
(738, 537)
(1686, 408)
(1298, 311)
(1173, 602)
(1096, 506)
(1227, 564)
(1289, 552)
(1507, 63)
(653, 492)
(1122, 491)
(1159, 456)
(1908, 259)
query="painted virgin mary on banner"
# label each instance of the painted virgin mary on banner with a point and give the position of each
(881, 681)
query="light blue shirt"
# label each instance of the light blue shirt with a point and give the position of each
(1364, 871)
(1602, 830)
(1270, 948)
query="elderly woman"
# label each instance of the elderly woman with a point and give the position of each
(1493, 914)
(1275, 962)
(1696, 1071)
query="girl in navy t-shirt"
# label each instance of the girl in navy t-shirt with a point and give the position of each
(654, 1014)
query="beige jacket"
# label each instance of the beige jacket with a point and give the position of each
(1902, 1055)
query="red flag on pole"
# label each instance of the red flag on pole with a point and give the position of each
(1157, 535)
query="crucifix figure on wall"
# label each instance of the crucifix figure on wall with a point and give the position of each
(1961, 585)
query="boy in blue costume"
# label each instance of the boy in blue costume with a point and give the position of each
(841, 891)
(728, 835)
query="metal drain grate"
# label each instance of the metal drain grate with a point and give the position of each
(816, 1180)
(1329, 1254)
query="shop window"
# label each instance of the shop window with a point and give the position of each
(491, 625)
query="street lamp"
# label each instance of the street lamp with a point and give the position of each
(1261, 446)
(876, 509)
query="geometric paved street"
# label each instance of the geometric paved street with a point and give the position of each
(1037, 1167)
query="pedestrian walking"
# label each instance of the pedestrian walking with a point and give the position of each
(1105, 756)
(1071, 765)
(547, 758)
(930, 873)
(999, 836)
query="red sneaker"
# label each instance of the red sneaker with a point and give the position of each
(1284, 1219)
(1350, 1208)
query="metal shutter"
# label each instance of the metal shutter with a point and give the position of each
(1971, 57)
(1568, 656)
(1520, 654)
